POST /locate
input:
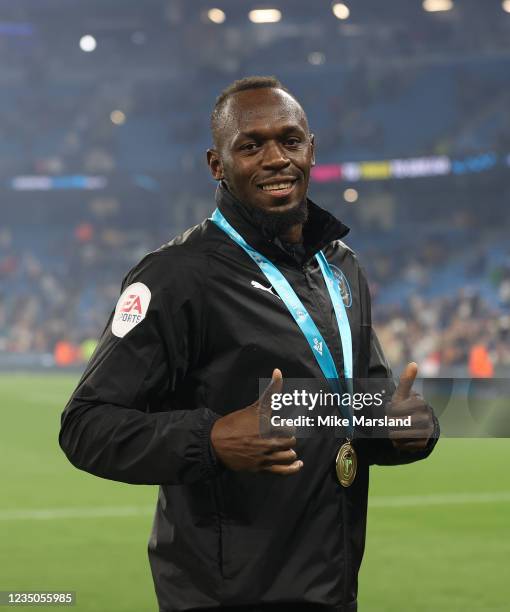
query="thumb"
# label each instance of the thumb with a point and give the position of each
(406, 382)
(275, 386)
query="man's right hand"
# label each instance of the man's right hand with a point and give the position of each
(241, 443)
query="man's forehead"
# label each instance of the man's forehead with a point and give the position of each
(264, 107)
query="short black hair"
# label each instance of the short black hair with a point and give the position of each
(251, 82)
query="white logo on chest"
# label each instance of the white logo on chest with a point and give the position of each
(268, 289)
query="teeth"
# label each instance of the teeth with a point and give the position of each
(276, 186)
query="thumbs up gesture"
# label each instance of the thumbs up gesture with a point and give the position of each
(242, 440)
(405, 402)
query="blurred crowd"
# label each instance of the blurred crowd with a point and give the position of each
(459, 334)
(56, 300)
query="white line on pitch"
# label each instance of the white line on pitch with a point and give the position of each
(65, 513)
(441, 499)
(401, 501)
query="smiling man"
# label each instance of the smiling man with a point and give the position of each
(247, 518)
(248, 121)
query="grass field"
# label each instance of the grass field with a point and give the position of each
(438, 532)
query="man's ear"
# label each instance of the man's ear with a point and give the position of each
(215, 165)
(312, 147)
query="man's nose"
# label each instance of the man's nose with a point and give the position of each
(275, 157)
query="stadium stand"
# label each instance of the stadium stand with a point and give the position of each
(441, 286)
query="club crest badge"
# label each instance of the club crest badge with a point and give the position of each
(345, 290)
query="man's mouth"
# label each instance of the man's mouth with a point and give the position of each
(279, 189)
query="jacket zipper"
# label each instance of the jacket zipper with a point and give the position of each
(347, 552)
(218, 500)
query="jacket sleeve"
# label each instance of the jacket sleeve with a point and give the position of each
(381, 451)
(121, 422)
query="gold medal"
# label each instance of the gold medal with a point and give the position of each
(346, 464)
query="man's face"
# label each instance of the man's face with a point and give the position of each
(264, 151)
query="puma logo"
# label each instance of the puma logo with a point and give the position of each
(268, 289)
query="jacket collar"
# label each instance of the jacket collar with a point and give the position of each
(320, 229)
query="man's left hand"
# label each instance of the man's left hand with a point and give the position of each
(405, 403)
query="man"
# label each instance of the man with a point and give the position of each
(247, 518)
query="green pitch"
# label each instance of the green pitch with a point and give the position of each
(438, 532)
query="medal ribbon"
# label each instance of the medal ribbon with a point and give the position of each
(298, 311)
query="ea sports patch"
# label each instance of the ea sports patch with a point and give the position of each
(131, 309)
(345, 289)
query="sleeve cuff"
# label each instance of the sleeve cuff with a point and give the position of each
(210, 464)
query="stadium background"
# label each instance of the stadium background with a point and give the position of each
(104, 108)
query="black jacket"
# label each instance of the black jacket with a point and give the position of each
(144, 408)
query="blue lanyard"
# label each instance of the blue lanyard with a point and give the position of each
(296, 308)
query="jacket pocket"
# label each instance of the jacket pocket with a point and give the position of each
(244, 523)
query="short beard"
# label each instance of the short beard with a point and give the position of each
(275, 224)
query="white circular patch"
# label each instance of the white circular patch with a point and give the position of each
(131, 309)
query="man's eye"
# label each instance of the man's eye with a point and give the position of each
(292, 142)
(249, 146)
